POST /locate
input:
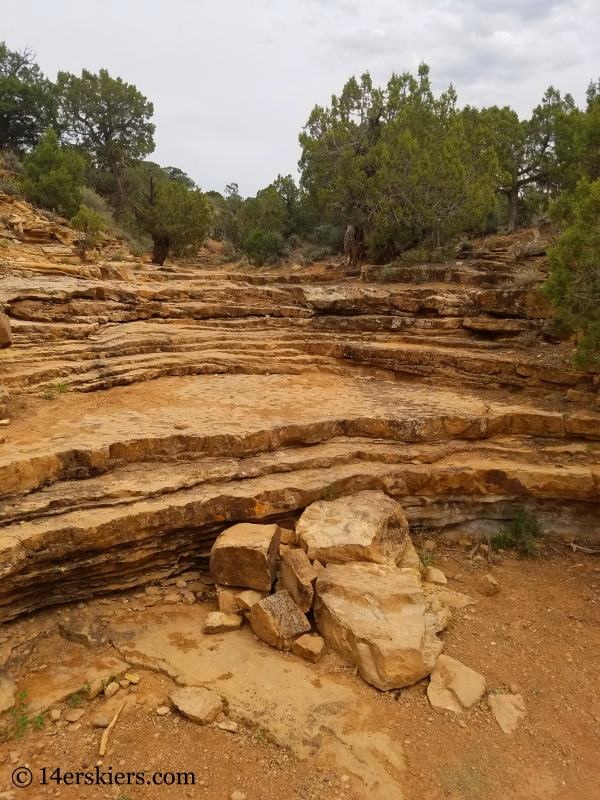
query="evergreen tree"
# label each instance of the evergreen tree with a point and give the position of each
(53, 176)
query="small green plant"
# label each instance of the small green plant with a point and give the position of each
(62, 388)
(90, 226)
(259, 735)
(330, 493)
(4, 219)
(589, 447)
(427, 560)
(77, 696)
(47, 394)
(118, 256)
(19, 722)
(520, 535)
(3, 242)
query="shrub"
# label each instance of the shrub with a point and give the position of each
(53, 176)
(10, 187)
(89, 225)
(263, 246)
(316, 252)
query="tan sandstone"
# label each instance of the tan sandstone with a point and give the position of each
(197, 704)
(378, 618)
(366, 526)
(246, 555)
(454, 686)
(218, 622)
(298, 577)
(309, 647)
(278, 621)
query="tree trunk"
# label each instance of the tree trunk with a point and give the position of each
(161, 250)
(513, 208)
(353, 241)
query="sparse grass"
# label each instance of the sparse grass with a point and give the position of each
(330, 493)
(528, 339)
(62, 388)
(427, 560)
(118, 256)
(525, 277)
(47, 394)
(18, 722)
(387, 274)
(520, 535)
(51, 392)
(589, 447)
(4, 219)
(3, 242)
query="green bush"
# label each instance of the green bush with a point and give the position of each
(573, 287)
(53, 176)
(89, 225)
(262, 246)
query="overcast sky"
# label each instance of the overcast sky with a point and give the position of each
(233, 81)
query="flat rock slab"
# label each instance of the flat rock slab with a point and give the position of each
(377, 617)
(454, 686)
(312, 718)
(278, 621)
(366, 526)
(507, 710)
(197, 704)
(245, 555)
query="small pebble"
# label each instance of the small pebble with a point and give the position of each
(237, 796)
(162, 711)
(100, 722)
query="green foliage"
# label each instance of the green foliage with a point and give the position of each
(18, 722)
(78, 696)
(107, 118)
(520, 535)
(53, 175)
(573, 287)
(89, 225)
(396, 165)
(426, 561)
(27, 100)
(262, 246)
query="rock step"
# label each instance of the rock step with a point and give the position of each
(84, 552)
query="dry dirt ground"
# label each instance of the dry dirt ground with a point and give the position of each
(541, 633)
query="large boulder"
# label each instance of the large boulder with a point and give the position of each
(6, 338)
(366, 526)
(378, 618)
(278, 621)
(246, 556)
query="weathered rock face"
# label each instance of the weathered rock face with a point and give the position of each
(278, 621)
(367, 526)
(246, 555)
(376, 616)
(298, 577)
(6, 338)
(454, 686)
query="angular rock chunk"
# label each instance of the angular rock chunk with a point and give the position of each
(278, 621)
(377, 617)
(6, 338)
(453, 686)
(488, 585)
(298, 577)
(434, 575)
(507, 710)
(218, 622)
(197, 704)
(226, 598)
(366, 526)
(309, 647)
(246, 555)
(245, 600)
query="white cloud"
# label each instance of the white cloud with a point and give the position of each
(233, 81)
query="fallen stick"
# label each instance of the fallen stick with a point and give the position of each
(106, 734)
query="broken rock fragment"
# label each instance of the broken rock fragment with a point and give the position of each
(218, 622)
(366, 526)
(246, 556)
(454, 686)
(278, 621)
(377, 617)
(197, 704)
(298, 577)
(309, 647)
(6, 338)
(488, 585)
(246, 599)
(507, 710)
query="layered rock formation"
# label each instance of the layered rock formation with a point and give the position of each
(237, 396)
